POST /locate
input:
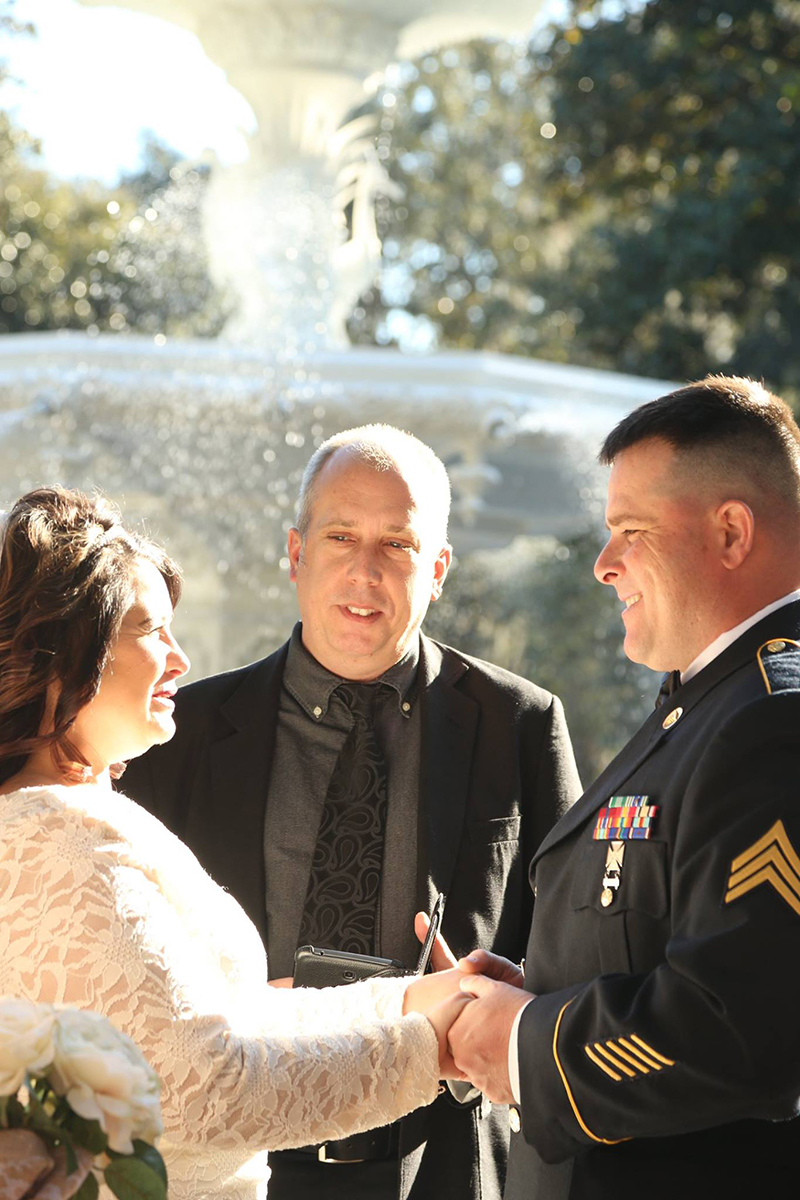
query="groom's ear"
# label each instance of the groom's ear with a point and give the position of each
(294, 547)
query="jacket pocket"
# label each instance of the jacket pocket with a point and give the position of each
(498, 829)
(642, 879)
(631, 909)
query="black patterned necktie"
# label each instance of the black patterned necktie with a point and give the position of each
(341, 905)
(669, 682)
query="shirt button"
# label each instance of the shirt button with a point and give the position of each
(318, 712)
(514, 1120)
(406, 706)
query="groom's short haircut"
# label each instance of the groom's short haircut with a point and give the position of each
(732, 436)
(383, 448)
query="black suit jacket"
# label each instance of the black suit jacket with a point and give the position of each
(662, 1055)
(496, 771)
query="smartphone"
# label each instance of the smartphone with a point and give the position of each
(317, 967)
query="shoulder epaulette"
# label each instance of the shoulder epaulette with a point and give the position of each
(779, 662)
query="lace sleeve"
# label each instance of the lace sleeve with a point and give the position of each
(93, 917)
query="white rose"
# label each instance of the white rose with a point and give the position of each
(26, 1041)
(105, 1078)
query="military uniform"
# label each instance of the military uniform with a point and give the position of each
(661, 1057)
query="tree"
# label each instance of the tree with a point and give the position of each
(460, 137)
(80, 255)
(536, 609)
(677, 142)
(622, 194)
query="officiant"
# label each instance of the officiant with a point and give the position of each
(452, 770)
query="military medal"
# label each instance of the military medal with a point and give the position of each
(613, 872)
(623, 819)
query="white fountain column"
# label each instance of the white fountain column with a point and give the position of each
(275, 225)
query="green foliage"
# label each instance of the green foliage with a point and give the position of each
(677, 143)
(77, 255)
(137, 1176)
(89, 1189)
(622, 194)
(133, 1179)
(460, 136)
(536, 609)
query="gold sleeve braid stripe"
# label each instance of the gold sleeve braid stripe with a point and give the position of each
(632, 1050)
(568, 1089)
(773, 860)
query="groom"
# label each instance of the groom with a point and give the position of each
(467, 769)
(660, 1056)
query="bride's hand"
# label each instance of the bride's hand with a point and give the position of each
(426, 991)
(442, 1016)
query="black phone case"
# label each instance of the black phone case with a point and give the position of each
(318, 968)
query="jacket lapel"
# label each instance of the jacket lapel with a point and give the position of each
(652, 733)
(448, 723)
(228, 830)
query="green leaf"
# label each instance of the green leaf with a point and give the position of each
(40, 1120)
(87, 1133)
(72, 1159)
(148, 1154)
(89, 1189)
(131, 1179)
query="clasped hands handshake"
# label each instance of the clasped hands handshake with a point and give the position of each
(471, 1005)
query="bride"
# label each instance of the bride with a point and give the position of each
(102, 908)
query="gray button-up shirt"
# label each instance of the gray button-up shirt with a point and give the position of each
(312, 726)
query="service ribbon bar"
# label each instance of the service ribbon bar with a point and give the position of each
(625, 818)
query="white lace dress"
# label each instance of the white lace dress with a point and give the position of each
(102, 907)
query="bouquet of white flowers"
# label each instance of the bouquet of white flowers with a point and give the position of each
(78, 1102)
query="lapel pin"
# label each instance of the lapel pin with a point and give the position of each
(671, 718)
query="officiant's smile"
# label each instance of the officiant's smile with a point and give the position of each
(372, 557)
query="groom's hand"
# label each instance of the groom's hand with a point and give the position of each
(479, 1038)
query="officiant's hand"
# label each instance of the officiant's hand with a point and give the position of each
(493, 966)
(442, 957)
(477, 962)
(479, 1038)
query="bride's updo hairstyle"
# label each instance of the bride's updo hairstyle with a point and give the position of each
(66, 581)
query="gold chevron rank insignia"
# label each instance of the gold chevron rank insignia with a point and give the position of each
(773, 860)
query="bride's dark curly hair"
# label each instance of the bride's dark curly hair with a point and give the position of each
(66, 581)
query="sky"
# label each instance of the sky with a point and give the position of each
(94, 79)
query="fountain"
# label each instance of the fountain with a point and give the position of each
(207, 439)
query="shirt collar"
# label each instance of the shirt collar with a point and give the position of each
(729, 637)
(312, 685)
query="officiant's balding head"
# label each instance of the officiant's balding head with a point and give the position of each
(369, 549)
